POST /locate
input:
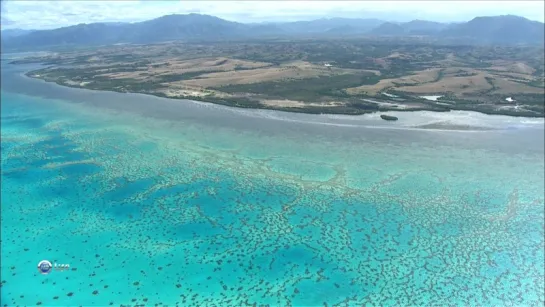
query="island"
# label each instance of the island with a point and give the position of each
(335, 76)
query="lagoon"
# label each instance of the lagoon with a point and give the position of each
(153, 201)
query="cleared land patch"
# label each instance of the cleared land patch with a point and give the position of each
(422, 77)
(289, 71)
(459, 85)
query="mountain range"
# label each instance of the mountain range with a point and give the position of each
(506, 29)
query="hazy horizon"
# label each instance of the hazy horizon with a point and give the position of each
(55, 14)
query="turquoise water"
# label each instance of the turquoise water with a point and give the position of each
(204, 206)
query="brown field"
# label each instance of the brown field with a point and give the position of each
(453, 71)
(295, 70)
(518, 67)
(461, 81)
(221, 63)
(223, 71)
(458, 85)
(425, 76)
(422, 77)
(185, 66)
(511, 75)
(505, 86)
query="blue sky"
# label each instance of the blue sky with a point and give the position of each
(54, 14)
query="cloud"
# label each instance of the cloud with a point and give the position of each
(54, 14)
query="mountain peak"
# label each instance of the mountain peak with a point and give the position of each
(501, 18)
(388, 28)
(505, 29)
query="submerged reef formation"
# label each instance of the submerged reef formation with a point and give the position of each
(155, 212)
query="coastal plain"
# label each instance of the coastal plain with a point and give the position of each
(340, 76)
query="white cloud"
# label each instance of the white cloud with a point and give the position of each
(53, 14)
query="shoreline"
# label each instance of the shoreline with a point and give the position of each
(344, 110)
(452, 121)
(235, 103)
(422, 120)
